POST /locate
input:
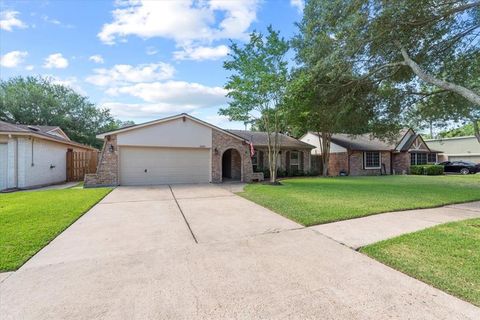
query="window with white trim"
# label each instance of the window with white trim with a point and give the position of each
(294, 161)
(255, 161)
(371, 160)
(418, 158)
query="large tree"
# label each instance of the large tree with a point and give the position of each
(327, 94)
(35, 100)
(257, 86)
(420, 47)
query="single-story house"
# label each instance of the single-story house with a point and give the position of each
(293, 157)
(364, 154)
(457, 148)
(183, 149)
(32, 155)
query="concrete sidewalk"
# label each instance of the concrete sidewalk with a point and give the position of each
(356, 233)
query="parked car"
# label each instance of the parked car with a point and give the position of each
(463, 167)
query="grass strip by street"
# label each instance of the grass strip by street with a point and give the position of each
(446, 256)
(30, 220)
(312, 201)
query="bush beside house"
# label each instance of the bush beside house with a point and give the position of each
(429, 170)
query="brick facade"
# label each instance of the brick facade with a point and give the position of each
(401, 163)
(357, 169)
(221, 142)
(337, 162)
(107, 168)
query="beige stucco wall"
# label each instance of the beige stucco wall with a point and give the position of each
(459, 148)
(312, 139)
(173, 133)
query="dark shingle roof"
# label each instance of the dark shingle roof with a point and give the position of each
(362, 142)
(38, 130)
(260, 139)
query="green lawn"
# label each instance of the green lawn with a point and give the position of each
(446, 256)
(30, 220)
(311, 201)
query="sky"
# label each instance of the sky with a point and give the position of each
(142, 59)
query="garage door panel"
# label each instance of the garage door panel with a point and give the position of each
(150, 166)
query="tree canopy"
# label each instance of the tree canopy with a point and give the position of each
(257, 85)
(424, 53)
(35, 100)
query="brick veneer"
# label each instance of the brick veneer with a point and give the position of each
(221, 142)
(401, 163)
(107, 168)
(337, 162)
(356, 164)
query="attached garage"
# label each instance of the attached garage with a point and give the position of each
(173, 150)
(160, 165)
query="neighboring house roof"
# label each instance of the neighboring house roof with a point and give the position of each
(367, 142)
(53, 133)
(452, 146)
(261, 139)
(158, 121)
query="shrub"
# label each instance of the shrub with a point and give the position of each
(430, 170)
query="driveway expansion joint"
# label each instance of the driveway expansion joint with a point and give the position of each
(183, 215)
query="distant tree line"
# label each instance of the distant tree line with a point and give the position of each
(38, 101)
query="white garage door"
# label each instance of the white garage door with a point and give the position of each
(149, 166)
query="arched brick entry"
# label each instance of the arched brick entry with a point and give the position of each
(231, 165)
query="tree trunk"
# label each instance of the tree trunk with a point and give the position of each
(468, 94)
(476, 129)
(324, 139)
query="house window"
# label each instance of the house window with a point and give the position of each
(255, 161)
(294, 161)
(371, 160)
(432, 158)
(417, 158)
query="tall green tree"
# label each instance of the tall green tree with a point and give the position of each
(257, 86)
(420, 48)
(326, 93)
(35, 100)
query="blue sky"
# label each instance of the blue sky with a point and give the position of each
(142, 59)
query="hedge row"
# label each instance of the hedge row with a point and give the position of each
(429, 170)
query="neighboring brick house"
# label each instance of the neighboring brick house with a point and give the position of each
(181, 149)
(365, 155)
(33, 156)
(293, 157)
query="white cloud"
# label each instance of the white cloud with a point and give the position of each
(55, 60)
(9, 20)
(177, 94)
(96, 58)
(125, 73)
(71, 82)
(13, 59)
(201, 21)
(299, 4)
(29, 67)
(145, 110)
(202, 53)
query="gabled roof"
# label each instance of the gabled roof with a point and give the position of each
(260, 139)
(367, 142)
(45, 132)
(158, 121)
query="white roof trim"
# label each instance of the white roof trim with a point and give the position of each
(178, 116)
(33, 134)
(450, 138)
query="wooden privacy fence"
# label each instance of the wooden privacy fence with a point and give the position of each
(81, 163)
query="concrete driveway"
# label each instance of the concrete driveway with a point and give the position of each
(201, 252)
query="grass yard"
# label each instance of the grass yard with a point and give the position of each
(446, 256)
(30, 220)
(311, 201)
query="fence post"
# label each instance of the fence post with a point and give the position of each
(69, 165)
